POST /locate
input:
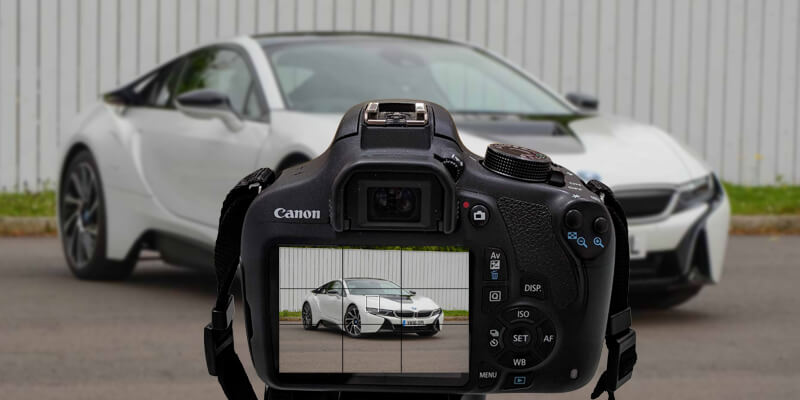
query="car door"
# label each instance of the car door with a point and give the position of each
(190, 163)
(331, 302)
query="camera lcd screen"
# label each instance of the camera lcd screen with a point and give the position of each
(384, 311)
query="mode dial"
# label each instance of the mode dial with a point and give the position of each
(517, 162)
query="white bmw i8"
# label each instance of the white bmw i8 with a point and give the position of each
(149, 165)
(361, 306)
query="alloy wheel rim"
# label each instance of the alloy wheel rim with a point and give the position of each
(306, 316)
(79, 222)
(352, 323)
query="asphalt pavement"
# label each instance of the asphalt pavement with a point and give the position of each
(331, 351)
(61, 338)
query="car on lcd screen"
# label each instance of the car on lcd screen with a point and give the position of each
(150, 164)
(360, 306)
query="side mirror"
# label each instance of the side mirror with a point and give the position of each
(583, 101)
(206, 104)
(413, 292)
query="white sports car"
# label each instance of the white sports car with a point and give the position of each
(368, 305)
(149, 165)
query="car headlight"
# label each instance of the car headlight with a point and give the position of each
(436, 312)
(380, 311)
(696, 192)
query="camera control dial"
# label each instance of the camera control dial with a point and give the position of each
(517, 162)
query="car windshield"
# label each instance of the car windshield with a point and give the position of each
(375, 287)
(332, 74)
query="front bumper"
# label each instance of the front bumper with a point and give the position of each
(686, 249)
(374, 323)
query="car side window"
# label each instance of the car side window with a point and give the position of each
(223, 70)
(163, 97)
(337, 286)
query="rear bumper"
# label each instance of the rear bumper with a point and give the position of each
(685, 250)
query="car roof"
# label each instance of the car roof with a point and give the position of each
(270, 39)
(364, 278)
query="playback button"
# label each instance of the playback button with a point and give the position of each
(494, 265)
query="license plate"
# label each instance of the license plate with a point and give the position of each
(638, 246)
(407, 322)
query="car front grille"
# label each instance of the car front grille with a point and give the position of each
(412, 314)
(644, 202)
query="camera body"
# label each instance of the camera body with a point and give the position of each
(531, 247)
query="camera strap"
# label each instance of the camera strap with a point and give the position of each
(620, 338)
(221, 359)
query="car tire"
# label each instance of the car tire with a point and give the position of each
(352, 322)
(665, 299)
(435, 328)
(307, 318)
(83, 223)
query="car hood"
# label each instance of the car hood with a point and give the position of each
(618, 151)
(404, 303)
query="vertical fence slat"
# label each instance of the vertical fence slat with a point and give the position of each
(734, 85)
(679, 70)
(227, 16)
(48, 100)
(643, 70)
(187, 24)
(27, 128)
(788, 81)
(697, 74)
(458, 20)
(148, 20)
(246, 17)
(515, 31)
(419, 17)
(8, 95)
(751, 93)
(401, 16)
(284, 11)
(769, 92)
(87, 56)
(68, 66)
(476, 21)
(659, 106)
(440, 18)
(624, 75)
(551, 73)
(128, 41)
(606, 49)
(108, 46)
(324, 16)
(715, 82)
(305, 15)
(167, 40)
(207, 23)
(588, 48)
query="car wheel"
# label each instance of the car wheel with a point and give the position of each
(308, 320)
(352, 321)
(82, 222)
(434, 330)
(665, 299)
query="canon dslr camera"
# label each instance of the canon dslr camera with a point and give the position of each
(399, 261)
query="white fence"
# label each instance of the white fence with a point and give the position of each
(441, 276)
(721, 75)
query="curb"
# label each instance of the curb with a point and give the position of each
(28, 226)
(740, 225)
(765, 224)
